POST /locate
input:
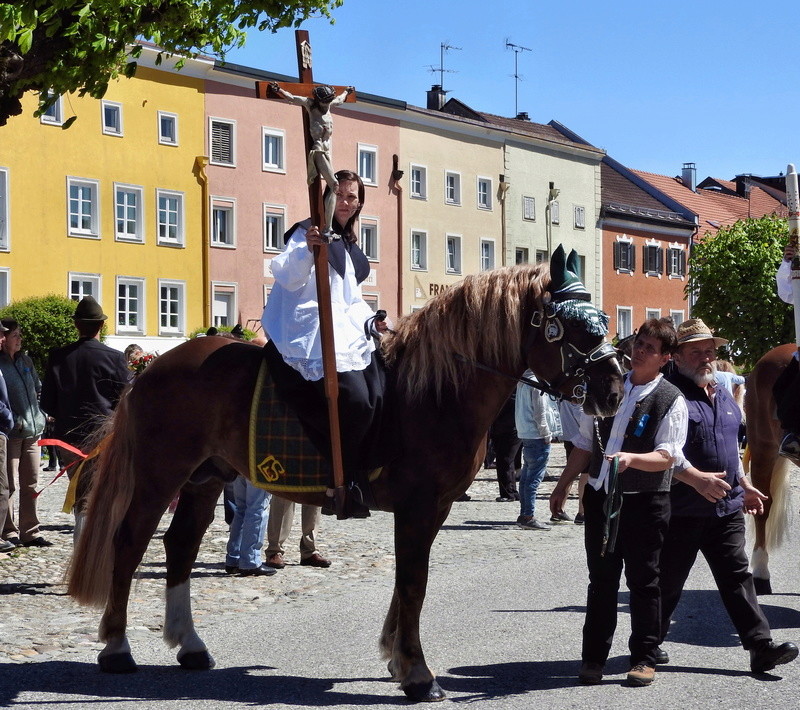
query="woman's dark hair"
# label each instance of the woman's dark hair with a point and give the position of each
(349, 176)
(662, 330)
(10, 324)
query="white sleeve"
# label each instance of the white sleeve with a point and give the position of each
(292, 268)
(671, 432)
(783, 280)
(585, 437)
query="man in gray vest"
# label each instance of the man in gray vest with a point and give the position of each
(709, 501)
(630, 459)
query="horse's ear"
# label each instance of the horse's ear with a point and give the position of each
(572, 262)
(558, 273)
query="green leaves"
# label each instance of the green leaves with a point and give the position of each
(732, 278)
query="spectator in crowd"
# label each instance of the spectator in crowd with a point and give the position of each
(246, 537)
(23, 455)
(570, 414)
(6, 425)
(503, 434)
(531, 424)
(279, 525)
(82, 384)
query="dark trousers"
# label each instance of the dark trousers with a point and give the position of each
(721, 540)
(642, 525)
(506, 449)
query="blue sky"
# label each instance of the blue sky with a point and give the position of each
(654, 84)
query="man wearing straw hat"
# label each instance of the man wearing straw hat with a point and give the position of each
(709, 500)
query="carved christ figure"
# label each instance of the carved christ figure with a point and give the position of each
(318, 106)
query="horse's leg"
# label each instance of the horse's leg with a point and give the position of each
(131, 542)
(416, 526)
(182, 540)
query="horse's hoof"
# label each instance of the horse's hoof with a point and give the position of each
(197, 661)
(763, 586)
(424, 692)
(117, 663)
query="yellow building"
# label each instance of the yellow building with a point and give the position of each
(113, 205)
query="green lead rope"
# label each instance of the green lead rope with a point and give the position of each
(612, 507)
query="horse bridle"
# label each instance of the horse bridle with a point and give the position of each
(574, 362)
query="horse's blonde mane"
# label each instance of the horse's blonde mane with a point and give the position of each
(478, 319)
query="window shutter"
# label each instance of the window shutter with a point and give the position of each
(644, 258)
(221, 142)
(660, 260)
(632, 251)
(617, 246)
(683, 263)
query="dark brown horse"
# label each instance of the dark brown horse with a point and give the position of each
(768, 471)
(184, 424)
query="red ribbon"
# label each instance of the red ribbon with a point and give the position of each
(63, 445)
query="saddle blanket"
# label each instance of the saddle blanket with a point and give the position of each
(281, 456)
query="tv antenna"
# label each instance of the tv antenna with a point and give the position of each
(517, 49)
(443, 47)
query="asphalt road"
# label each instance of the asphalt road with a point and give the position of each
(501, 628)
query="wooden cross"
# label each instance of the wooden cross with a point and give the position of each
(264, 90)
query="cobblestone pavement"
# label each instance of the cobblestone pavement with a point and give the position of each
(41, 622)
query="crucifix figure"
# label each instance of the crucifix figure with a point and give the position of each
(320, 127)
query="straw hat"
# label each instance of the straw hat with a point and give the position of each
(694, 329)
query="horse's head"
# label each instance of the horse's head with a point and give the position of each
(624, 351)
(565, 342)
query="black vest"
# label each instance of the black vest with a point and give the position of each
(639, 438)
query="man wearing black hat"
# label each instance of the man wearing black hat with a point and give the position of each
(83, 381)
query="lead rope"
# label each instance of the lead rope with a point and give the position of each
(612, 507)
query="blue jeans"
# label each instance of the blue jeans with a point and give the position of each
(248, 526)
(535, 453)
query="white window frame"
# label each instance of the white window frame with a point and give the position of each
(484, 193)
(452, 193)
(452, 257)
(93, 232)
(365, 150)
(227, 288)
(162, 137)
(419, 185)
(227, 205)
(488, 261)
(419, 254)
(278, 165)
(5, 211)
(180, 327)
(522, 255)
(140, 311)
(652, 313)
(555, 212)
(54, 116)
(540, 256)
(115, 129)
(369, 224)
(631, 252)
(181, 219)
(94, 282)
(628, 311)
(675, 250)
(677, 317)
(275, 211)
(649, 246)
(138, 235)
(529, 208)
(212, 120)
(5, 286)
(580, 216)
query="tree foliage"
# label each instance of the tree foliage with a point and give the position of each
(81, 45)
(46, 323)
(732, 278)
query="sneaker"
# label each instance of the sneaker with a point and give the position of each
(591, 673)
(641, 675)
(560, 517)
(6, 546)
(528, 522)
(790, 448)
(579, 519)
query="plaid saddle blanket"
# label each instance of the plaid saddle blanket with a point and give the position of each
(281, 456)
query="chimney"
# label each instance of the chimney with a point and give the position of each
(436, 97)
(743, 185)
(523, 116)
(689, 176)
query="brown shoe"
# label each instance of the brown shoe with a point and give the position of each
(276, 561)
(591, 673)
(315, 560)
(641, 675)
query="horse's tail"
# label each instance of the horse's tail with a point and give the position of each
(90, 571)
(780, 510)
